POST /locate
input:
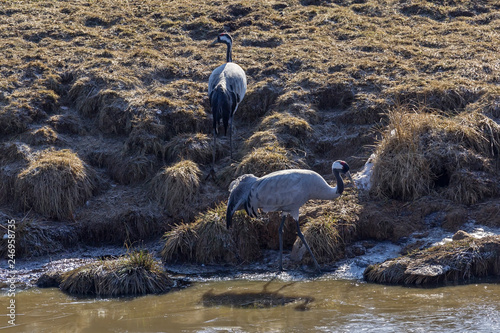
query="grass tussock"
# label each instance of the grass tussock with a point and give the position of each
(284, 123)
(460, 260)
(258, 100)
(55, 183)
(14, 151)
(261, 139)
(13, 158)
(146, 137)
(208, 241)
(196, 147)
(420, 152)
(42, 136)
(130, 169)
(267, 159)
(16, 117)
(37, 238)
(65, 124)
(135, 274)
(113, 82)
(176, 187)
(324, 240)
(329, 227)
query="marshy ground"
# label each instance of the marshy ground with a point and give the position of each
(105, 131)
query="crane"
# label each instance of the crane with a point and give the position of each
(227, 86)
(285, 191)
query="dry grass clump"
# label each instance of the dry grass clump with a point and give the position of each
(36, 238)
(439, 95)
(16, 117)
(266, 159)
(335, 95)
(129, 225)
(420, 152)
(330, 226)
(285, 123)
(258, 100)
(180, 244)
(208, 241)
(13, 157)
(460, 260)
(91, 99)
(47, 100)
(324, 240)
(113, 115)
(177, 187)
(133, 275)
(14, 152)
(66, 124)
(196, 147)
(147, 136)
(42, 136)
(55, 183)
(131, 169)
(186, 120)
(291, 131)
(261, 139)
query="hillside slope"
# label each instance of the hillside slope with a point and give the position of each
(102, 103)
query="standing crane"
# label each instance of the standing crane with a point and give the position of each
(285, 191)
(227, 86)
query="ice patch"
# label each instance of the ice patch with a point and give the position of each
(363, 178)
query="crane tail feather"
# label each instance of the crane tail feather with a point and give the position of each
(223, 104)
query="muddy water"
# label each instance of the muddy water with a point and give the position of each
(271, 305)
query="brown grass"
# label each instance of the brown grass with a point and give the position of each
(460, 260)
(39, 238)
(176, 187)
(42, 136)
(266, 159)
(420, 152)
(179, 244)
(13, 158)
(55, 183)
(324, 240)
(191, 146)
(208, 241)
(65, 124)
(107, 76)
(131, 169)
(133, 275)
(330, 226)
(147, 136)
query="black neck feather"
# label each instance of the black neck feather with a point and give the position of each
(229, 57)
(340, 181)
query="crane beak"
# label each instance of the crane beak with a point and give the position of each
(348, 174)
(213, 43)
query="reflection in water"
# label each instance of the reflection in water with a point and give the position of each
(263, 306)
(262, 299)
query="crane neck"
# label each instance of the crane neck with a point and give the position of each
(340, 182)
(229, 56)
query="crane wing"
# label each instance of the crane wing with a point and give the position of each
(279, 192)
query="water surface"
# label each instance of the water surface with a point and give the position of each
(272, 305)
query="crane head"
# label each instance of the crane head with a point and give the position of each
(342, 167)
(223, 38)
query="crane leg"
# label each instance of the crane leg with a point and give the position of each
(231, 136)
(280, 230)
(214, 148)
(302, 238)
(212, 170)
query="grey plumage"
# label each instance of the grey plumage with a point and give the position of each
(285, 191)
(227, 86)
